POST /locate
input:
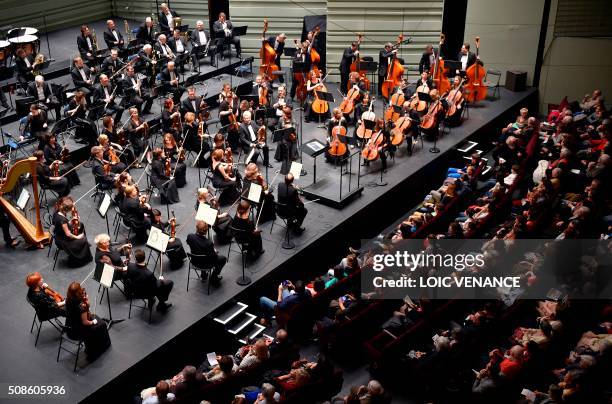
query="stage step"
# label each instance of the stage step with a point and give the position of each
(251, 332)
(244, 322)
(467, 146)
(232, 313)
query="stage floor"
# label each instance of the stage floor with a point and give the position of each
(135, 339)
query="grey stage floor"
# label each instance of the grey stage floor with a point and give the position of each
(134, 339)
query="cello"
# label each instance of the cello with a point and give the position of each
(430, 119)
(319, 106)
(336, 147)
(370, 152)
(437, 71)
(397, 100)
(356, 66)
(476, 90)
(347, 106)
(362, 132)
(268, 56)
(416, 103)
(454, 99)
(395, 71)
(397, 133)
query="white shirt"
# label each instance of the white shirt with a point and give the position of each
(115, 35)
(27, 62)
(172, 75)
(253, 138)
(82, 74)
(193, 104)
(179, 46)
(170, 20)
(134, 83)
(202, 36)
(106, 94)
(88, 43)
(464, 59)
(40, 91)
(165, 49)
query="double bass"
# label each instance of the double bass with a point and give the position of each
(362, 132)
(300, 77)
(437, 71)
(395, 71)
(315, 58)
(475, 89)
(356, 66)
(268, 56)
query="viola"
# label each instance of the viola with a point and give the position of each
(368, 115)
(168, 167)
(370, 151)
(337, 147)
(347, 106)
(234, 125)
(476, 90)
(228, 155)
(320, 106)
(395, 71)
(176, 121)
(437, 71)
(173, 226)
(268, 56)
(356, 66)
(75, 221)
(397, 100)
(204, 114)
(55, 168)
(261, 134)
(112, 156)
(263, 95)
(397, 133)
(53, 294)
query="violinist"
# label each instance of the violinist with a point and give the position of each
(280, 102)
(136, 130)
(136, 91)
(384, 57)
(123, 181)
(228, 110)
(466, 57)
(179, 167)
(225, 178)
(161, 177)
(48, 303)
(86, 129)
(302, 56)
(170, 116)
(226, 91)
(136, 211)
(83, 324)
(75, 244)
(286, 149)
(222, 223)
(252, 140)
(111, 155)
(313, 84)
(265, 206)
(263, 90)
(224, 28)
(288, 195)
(174, 251)
(193, 102)
(190, 133)
(55, 154)
(244, 106)
(380, 137)
(48, 178)
(113, 256)
(246, 230)
(102, 169)
(348, 57)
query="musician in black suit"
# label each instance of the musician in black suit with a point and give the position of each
(41, 92)
(278, 44)
(201, 37)
(103, 95)
(25, 66)
(466, 57)
(303, 57)
(249, 140)
(81, 77)
(200, 245)
(144, 284)
(383, 63)
(160, 178)
(136, 91)
(136, 211)
(112, 36)
(145, 34)
(147, 63)
(112, 63)
(103, 180)
(223, 28)
(428, 59)
(289, 196)
(86, 46)
(179, 47)
(348, 57)
(192, 102)
(166, 19)
(170, 82)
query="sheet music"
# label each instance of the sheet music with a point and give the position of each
(212, 358)
(206, 214)
(158, 240)
(296, 169)
(315, 146)
(24, 197)
(254, 193)
(106, 201)
(106, 279)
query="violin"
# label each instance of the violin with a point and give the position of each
(112, 156)
(168, 167)
(476, 90)
(107, 167)
(356, 66)
(261, 134)
(397, 100)
(228, 155)
(370, 151)
(268, 56)
(234, 125)
(347, 106)
(176, 121)
(263, 95)
(438, 69)
(86, 304)
(336, 147)
(55, 168)
(320, 106)
(53, 294)
(65, 155)
(368, 115)
(395, 71)
(173, 226)
(75, 222)
(204, 114)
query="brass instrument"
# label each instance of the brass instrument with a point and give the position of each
(128, 33)
(177, 22)
(38, 60)
(94, 40)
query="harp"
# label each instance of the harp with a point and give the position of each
(33, 234)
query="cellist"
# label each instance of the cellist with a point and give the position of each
(314, 84)
(379, 140)
(335, 121)
(355, 82)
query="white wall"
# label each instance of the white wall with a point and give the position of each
(509, 32)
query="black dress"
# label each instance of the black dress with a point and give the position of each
(266, 208)
(53, 153)
(167, 187)
(46, 307)
(174, 250)
(95, 336)
(246, 234)
(166, 122)
(44, 174)
(78, 250)
(229, 189)
(180, 172)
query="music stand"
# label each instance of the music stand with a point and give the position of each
(239, 31)
(452, 66)
(197, 50)
(183, 28)
(100, 275)
(325, 96)
(372, 68)
(290, 52)
(314, 148)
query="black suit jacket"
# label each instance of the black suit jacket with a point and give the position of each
(383, 61)
(32, 92)
(145, 35)
(195, 36)
(142, 280)
(186, 105)
(83, 47)
(97, 168)
(348, 56)
(110, 66)
(201, 245)
(245, 136)
(289, 196)
(22, 68)
(165, 78)
(424, 63)
(218, 28)
(172, 44)
(99, 96)
(470, 60)
(109, 38)
(163, 22)
(77, 79)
